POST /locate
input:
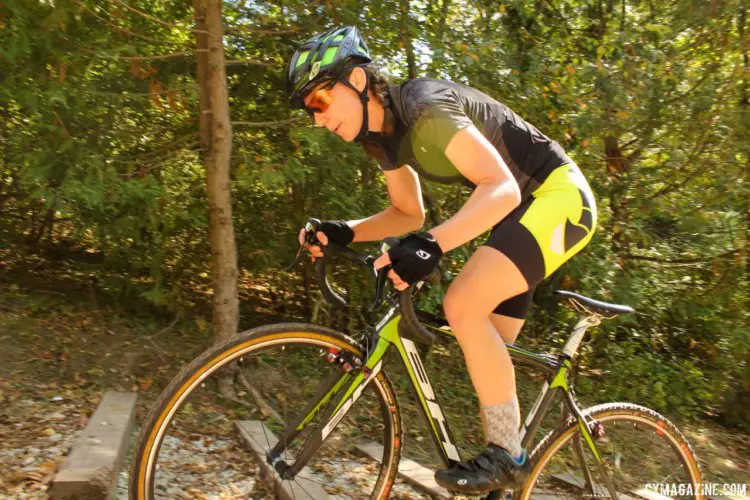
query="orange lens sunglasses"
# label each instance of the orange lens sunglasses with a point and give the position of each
(321, 99)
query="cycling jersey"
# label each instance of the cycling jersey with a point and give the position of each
(557, 214)
(429, 112)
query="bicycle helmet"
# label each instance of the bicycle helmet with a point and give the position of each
(328, 57)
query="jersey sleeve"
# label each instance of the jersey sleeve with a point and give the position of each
(435, 115)
(387, 164)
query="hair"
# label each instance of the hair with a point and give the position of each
(379, 87)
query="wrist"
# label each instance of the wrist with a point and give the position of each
(436, 234)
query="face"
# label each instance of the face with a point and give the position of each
(343, 108)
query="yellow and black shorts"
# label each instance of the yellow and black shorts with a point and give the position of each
(546, 230)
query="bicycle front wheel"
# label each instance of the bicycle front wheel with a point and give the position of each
(643, 453)
(257, 384)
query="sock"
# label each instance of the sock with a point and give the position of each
(501, 424)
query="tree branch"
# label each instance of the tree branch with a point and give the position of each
(699, 145)
(678, 262)
(155, 152)
(123, 30)
(151, 18)
(259, 31)
(141, 94)
(708, 72)
(250, 62)
(151, 58)
(276, 123)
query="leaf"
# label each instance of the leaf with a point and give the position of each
(145, 383)
(657, 28)
(156, 89)
(135, 67)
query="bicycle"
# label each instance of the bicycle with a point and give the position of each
(317, 420)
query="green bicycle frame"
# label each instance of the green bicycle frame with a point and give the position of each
(332, 391)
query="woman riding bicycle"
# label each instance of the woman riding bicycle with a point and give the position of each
(526, 190)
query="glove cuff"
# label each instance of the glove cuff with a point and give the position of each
(337, 231)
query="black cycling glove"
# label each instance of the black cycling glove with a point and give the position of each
(415, 257)
(338, 231)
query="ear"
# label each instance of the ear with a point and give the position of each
(358, 78)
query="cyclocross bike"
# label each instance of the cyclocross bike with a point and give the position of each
(320, 402)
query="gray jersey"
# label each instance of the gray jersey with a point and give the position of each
(429, 112)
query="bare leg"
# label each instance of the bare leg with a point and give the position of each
(508, 328)
(488, 278)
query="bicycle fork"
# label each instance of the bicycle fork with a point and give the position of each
(579, 450)
(334, 396)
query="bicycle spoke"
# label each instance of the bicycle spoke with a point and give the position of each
(278, 385)
(635, 456)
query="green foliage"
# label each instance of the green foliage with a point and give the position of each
(100, 157)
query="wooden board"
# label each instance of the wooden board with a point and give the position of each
(413, 473)
(260, 438)
(90, 471)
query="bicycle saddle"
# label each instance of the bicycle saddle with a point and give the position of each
(595, 306)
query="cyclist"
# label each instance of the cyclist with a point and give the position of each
(526, 190)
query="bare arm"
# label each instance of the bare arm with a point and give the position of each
(495, 196)
(405, 214)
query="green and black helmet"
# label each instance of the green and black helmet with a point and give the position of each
(328, 56)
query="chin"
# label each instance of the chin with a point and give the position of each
(348, 137)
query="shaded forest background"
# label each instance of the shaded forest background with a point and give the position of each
(103, 176)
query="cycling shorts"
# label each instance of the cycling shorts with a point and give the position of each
(545, 231)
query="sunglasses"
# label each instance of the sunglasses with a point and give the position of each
(320, 99)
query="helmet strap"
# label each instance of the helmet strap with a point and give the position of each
(364, 98)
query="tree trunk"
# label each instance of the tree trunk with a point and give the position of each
(737, 409)
(406, 39)
(216, 142)
(437, 47)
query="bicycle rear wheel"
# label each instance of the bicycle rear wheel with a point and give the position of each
(643, 453)
(189, 444)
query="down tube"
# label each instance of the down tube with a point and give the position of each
(423, 390)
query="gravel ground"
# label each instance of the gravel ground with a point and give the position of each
(220, 469)
(35, 436)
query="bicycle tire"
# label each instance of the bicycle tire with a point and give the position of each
(145, 457)
(607, 414)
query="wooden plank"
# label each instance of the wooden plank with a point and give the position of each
(413, 473)
(90, 471)
(260, 438)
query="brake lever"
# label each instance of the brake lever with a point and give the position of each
(310, 238)
(297, 259)
(382, 273)
(382, 276)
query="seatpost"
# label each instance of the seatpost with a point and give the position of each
(574, 341)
